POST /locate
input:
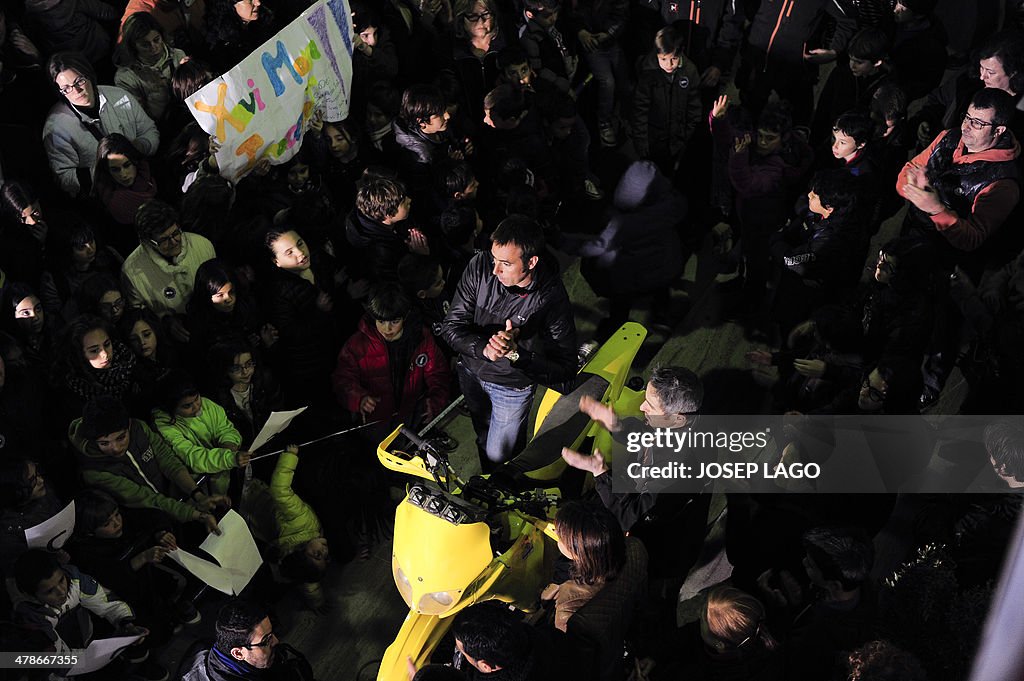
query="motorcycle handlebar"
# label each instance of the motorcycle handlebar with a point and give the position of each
(413, 438)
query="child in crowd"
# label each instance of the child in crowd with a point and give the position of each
(666, 105)
(199, 432)
(376, 232)
(56, 601)
(551, 54)
(125, 550)
(300, 544)
(422, 278)
(391, 370)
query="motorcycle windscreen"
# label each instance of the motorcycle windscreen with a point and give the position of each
(438, 560)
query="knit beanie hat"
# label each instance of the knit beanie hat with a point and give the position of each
(103, 415)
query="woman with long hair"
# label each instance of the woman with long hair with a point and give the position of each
(590, 537)
(122, 181)
(221, 309)
(91, 363)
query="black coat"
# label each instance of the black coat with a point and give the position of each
(308, 339)
(547, 340)
(666, 107)
(376, 248)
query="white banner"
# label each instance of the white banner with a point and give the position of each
(261, 108)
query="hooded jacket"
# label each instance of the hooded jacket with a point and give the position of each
(666, 107)
(150, 280)
(297, 521)
(542, 312)
(639, 249)
(141, 477)
(71, 146)
(364, 369)
(200, 440)
(988, 206)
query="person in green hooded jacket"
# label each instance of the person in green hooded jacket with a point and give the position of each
(300, 542)
(199, 432)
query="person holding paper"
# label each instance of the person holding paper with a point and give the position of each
(56, 598)
(25, 501)
(121, 549)
(123, 456)
(199, 431)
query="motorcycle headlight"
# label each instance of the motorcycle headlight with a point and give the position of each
(404, 586)
(436, 603)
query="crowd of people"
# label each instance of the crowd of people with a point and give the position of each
(157, 312)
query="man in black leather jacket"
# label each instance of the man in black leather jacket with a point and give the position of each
(512, 324)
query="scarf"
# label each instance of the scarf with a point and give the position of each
(117, 380)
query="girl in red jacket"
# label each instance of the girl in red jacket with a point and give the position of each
(389, 369)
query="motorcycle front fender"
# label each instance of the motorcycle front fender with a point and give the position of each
(417, 639)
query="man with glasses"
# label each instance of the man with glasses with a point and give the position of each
(964, 185)
(961, 189)
(246, 647)
(161, 272)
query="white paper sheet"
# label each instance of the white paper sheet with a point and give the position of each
(207, 572)
(54, 531)
(234, 549)
(99, 653)
(276, 422)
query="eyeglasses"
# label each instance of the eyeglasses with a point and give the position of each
(164, 240)
(78, 85)
(977, 123)
(238, 368)
(874, 394)
(478, 18)
(115, 305)
(264, 642)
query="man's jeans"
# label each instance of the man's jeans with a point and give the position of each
(499, 415)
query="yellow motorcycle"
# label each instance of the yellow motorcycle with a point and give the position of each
(459, 542)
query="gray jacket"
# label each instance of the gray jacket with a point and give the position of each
(71, 146)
